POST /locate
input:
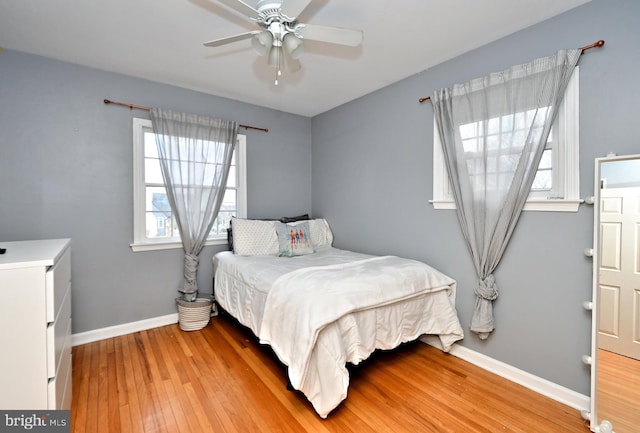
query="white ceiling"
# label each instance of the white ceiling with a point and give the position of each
(161, 40)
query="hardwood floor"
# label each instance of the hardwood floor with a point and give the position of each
(619, 391)
(220, 379)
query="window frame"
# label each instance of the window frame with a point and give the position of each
(566, 161)
(140, 241)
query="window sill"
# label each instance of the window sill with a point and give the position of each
(153, 246)
(531, 205)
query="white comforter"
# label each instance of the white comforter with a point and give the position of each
(303, 303)
(319, 317)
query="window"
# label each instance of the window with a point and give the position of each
(557, 183)
(153, 223)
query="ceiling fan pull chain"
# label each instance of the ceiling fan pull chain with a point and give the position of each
(277, 65)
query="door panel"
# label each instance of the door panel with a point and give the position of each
(619, 323)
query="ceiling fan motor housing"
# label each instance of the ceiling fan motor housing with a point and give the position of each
(270, 11)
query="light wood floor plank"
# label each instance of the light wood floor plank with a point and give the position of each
(113, 394)
(135, 413)
(619, 391)
(221, 380)
(93, 397)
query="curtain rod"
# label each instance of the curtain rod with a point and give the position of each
(585, 48)
(142, 107)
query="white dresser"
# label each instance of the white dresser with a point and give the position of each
(35, 325)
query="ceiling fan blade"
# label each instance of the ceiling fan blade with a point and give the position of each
(230, 39)
(241, 7)
(292, 8)
(333, 35)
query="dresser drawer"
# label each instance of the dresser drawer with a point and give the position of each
(59, 336)
(57, 279)
(59, 388)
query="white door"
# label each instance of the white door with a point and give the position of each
(619, 309)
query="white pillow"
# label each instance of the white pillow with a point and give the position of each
(254, 237)
(321, 235)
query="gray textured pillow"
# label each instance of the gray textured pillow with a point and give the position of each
(254, 237)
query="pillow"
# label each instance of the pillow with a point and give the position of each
(295, 218)
(254, 237)
(321, 235)
(294, 240)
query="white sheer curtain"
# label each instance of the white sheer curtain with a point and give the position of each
(195, 156)
(493, 132)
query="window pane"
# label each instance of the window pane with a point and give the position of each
(520, 120)
(221, 224)
(210, 173)
(227, 210)
(470, 145)
(150, 147)
(519, 137)
(536, 133)
(505, 179)
(229, 200)
(152, 173)
(547, 160)
(509, 162)
(492, 165)
(231, 180)
(541, 116)
(507, 123)
(493, 142)
(160, 225)
(468, 131)
(542, 180)
(157, 199)
(508, 143)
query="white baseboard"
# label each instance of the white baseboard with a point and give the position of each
(125, 328)
(542, 386)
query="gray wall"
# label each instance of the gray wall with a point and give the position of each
(372, 179)
(66, 171)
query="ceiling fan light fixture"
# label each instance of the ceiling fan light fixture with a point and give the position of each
(292, 65)
(262, 42)
(275, 56)
(293, 45)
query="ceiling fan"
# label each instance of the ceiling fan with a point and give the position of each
(281, 36)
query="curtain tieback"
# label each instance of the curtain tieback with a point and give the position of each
(191, 264)
(487, 289)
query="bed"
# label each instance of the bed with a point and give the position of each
(321, 307)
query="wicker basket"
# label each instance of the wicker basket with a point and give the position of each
(195, 315)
